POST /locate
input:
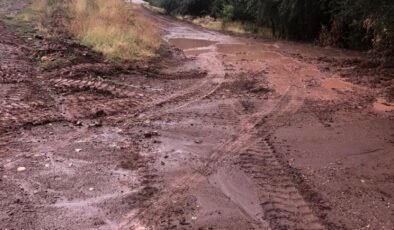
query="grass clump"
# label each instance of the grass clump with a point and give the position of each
(113, 27)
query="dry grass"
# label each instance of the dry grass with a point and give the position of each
(112, 27)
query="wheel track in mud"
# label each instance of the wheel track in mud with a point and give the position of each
(283, 204)
(12, 77)
(24, 115)
(186, 97)
(99, 98)
(94, 84)
(20, 110)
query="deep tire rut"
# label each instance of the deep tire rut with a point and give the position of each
(283, 204)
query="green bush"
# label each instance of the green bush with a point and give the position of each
(355, 24)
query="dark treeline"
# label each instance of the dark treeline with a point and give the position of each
(355, 24)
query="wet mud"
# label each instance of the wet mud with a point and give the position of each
(226, 132)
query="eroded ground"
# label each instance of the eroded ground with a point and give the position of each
(225, 132)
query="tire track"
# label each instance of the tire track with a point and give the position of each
(283, 204)
(12, 77)
(116, 90)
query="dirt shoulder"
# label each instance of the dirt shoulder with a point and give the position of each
(222, 132)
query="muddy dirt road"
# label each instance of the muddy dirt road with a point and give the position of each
(226, 132)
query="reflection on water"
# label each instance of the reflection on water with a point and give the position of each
(135, 1)
(186, 43)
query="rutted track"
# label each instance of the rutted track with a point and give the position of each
(186, 143)
(249, 114)
(283, 204)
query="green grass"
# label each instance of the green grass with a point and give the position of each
(25, 22)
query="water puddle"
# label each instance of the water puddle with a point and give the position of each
(196, 52)
(187, 43)
(238, 48)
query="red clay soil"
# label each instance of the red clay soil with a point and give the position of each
(220, 132)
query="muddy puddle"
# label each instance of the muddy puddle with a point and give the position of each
(196, 52)
(187, 43)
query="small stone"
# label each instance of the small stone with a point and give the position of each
(46, 165)
(70, 165)
(198, 141)
(91, 189)
(151, 134)
(21, 169)
(194, 217)
(78, 150)
(362, 181)
(95, 124)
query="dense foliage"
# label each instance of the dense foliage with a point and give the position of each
(357, 24)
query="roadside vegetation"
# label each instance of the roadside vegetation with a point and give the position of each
(114, 28)
(354, 24)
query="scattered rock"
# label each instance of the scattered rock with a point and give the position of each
(21, 169)
(78, 150)
(91, 189)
